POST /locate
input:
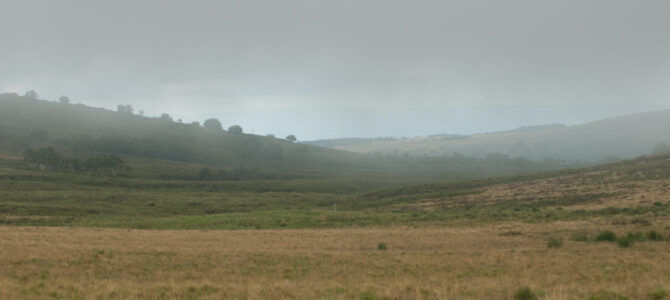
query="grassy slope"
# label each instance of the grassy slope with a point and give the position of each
(473, 239)
(78, 128)
(318, 188)
(626, 136)
(497, 240)
(32, 197)
(163, 149)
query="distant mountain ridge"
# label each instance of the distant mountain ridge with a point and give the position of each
(618, 137)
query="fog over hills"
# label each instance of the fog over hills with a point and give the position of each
(162, 147)
(612, 138)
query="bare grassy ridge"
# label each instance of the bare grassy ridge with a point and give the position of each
(636, 183)
(478, 262)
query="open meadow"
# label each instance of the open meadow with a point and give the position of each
(365, 150)
(597, 233)
(472, 262)
(109, 211)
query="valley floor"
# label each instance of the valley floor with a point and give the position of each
(487, 261)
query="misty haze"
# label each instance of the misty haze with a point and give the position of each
(334, 149)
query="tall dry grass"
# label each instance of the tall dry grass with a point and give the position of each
(479, 262)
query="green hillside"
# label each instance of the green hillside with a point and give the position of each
(78, 129)
(163, 148)
(263, 182)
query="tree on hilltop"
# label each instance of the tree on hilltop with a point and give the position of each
(126, 109)
(235, 129)
(31, 94)
(166, 117)
(213, 124)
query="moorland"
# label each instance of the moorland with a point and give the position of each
(205, 213)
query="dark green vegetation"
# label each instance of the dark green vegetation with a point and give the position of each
(627, 240)
(524, 293)
(606, 236)
(72, 165)
(162, 148)
(49, 159)
(34, 197)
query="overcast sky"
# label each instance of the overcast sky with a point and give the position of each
(323, 69)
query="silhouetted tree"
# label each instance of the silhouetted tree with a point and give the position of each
(64, 100)
(165, 117)
(31, 94)
(213, 124)
(291, 138)
(235, 129)
(124, 108)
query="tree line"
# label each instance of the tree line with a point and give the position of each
(50, 159)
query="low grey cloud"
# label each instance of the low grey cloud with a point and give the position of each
(372, 68)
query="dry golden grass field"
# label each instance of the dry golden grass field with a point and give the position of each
(475, 262)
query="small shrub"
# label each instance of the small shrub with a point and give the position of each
(367, 296)
(624, 242)
(659, 293)
(381, 246)
(654, 236)
(606, 236)
(524, 293)
(554, 243)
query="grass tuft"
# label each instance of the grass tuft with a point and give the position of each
(524, 293)
(659, 293)
(381, 246)
(606, 236)
(625, 242)
(654, 236)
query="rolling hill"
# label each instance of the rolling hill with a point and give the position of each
(592, 233)
(162, 148)
(609, 139)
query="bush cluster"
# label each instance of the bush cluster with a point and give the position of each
(627, 240)
(50, 159)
